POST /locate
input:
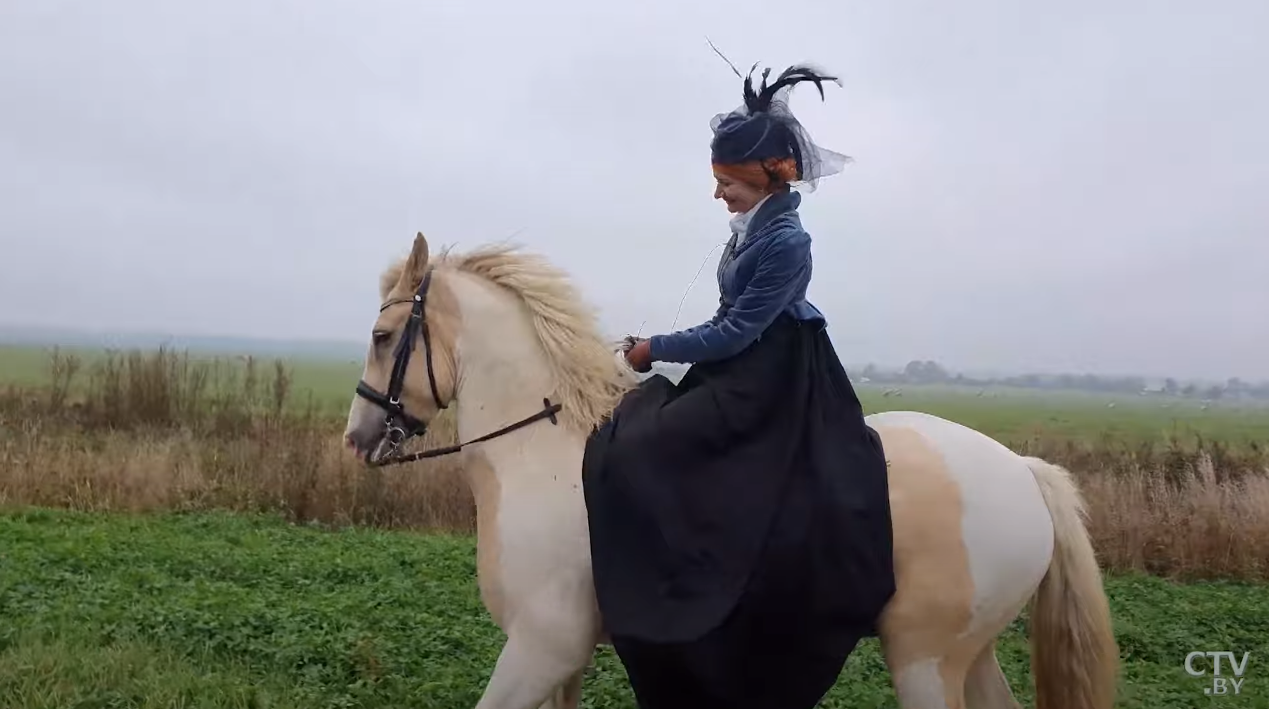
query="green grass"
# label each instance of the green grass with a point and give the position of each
(23, 366)
(217, 610)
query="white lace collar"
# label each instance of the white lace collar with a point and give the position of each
(740, 222)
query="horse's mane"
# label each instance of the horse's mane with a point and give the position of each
(588, 379)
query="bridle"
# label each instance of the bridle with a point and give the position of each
(401, 426)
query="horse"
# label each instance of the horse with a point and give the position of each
(980, 531)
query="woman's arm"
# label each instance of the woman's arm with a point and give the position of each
(718, 316)
(782, 270)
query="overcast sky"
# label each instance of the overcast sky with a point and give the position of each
(1076, 186)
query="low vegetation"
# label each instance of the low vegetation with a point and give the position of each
(236, 610)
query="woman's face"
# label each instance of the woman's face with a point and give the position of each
(739, 196)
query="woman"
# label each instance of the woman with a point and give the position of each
(740, 522)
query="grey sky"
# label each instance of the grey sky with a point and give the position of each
(1074, 186)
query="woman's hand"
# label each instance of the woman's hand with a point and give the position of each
(639, 356)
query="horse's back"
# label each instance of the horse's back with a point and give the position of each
(972, 533)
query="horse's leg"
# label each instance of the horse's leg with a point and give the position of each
(962, 673)
(532, 667)
(567, 695)
(926, 682)
(986, 686)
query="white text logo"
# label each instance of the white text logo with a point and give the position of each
(1226, 670)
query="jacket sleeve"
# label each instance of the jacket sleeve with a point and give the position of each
(718, 316)
(781, 271)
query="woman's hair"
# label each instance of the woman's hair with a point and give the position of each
(769, 175)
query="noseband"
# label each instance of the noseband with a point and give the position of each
(401, 426)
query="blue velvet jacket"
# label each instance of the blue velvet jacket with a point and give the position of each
(758, 279)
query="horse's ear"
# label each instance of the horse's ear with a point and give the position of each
(416, 265)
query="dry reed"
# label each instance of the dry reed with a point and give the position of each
(162, 432)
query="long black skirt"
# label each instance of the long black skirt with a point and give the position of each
(740, 527)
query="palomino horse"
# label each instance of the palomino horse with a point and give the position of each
(979, 531)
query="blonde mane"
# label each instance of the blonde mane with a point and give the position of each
(588, 379)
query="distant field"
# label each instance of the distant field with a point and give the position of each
(1012, 415)
(217, 610)
(327, 383)
(1016, 414)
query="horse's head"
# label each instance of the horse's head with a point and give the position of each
(504, 327)
(410, 371)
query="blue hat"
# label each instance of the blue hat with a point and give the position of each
(741, 138)
(763, 127)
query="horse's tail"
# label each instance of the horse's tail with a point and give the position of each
(1074, 657)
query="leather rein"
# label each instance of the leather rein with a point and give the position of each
(401, 426)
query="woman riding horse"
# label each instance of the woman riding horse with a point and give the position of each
(740, 520)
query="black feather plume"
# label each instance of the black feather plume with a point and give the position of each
(761, 100)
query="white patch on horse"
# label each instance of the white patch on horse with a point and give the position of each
(919, 685)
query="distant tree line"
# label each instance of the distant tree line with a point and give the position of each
(929, 372)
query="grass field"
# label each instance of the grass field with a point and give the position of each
(271, 570)
(218, 610)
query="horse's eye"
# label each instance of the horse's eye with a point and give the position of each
(379, 337)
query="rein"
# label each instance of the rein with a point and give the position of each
(400, 425)
(548, 412)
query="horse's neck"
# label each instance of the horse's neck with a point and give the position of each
(503, 378)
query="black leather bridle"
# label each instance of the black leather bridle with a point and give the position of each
(401, 426)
